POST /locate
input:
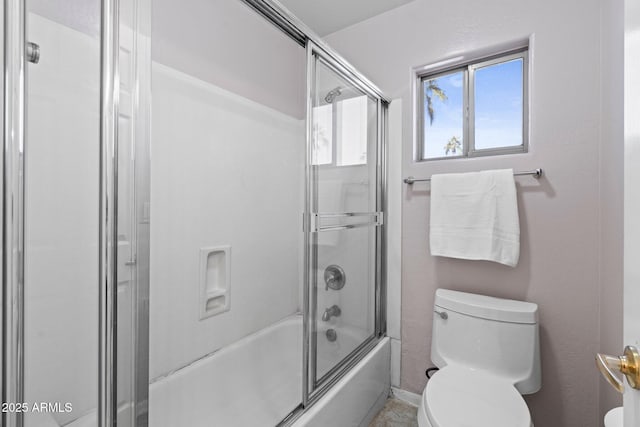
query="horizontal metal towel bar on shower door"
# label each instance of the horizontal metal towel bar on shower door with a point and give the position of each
(537, 173)
(367, 219)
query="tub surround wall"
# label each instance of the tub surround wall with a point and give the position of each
(228, 143)
(562, 224)
(228, 44)
(81, 15)
(226, 172)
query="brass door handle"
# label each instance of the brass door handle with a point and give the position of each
(628, 364)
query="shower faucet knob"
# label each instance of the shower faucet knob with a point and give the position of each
(334, 277)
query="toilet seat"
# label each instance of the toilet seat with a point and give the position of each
(463, 397)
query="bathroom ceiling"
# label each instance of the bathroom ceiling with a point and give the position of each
(324, 17)
(328, 16)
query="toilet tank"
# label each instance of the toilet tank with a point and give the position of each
(490, 334)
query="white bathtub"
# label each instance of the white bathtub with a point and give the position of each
(358, 396)
(257, 381)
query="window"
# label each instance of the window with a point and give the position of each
(340, 132)
(474, 109)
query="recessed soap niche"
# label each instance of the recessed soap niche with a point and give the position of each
(215, 280)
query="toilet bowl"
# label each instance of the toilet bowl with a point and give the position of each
(487, 350)
(458, 396)
(614, 418)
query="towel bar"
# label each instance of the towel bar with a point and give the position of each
(537, 173)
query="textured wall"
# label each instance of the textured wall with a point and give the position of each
(611, 191)
(561, 218)
(631, 200)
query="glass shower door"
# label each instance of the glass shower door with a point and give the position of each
(62, 152)
(344, 218)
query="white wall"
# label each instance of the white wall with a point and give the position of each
(560, 215)
(80, 15)
(227, 43)
(225, 171)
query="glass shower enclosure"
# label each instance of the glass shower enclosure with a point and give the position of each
(344, 218)
(124, 273)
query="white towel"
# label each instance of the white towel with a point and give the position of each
(475, 216)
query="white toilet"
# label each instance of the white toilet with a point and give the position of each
(488, 352)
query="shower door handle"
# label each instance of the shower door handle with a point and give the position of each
(33, 52)
(315, 222)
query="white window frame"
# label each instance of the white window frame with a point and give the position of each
(468, 68)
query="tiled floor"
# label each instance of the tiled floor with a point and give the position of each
(396, 413)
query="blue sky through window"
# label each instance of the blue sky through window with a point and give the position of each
(498, 109)
(447, 115)
(498, 105)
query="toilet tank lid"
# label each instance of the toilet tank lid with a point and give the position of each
(484, 307)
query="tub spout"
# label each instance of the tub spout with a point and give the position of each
(333, 311)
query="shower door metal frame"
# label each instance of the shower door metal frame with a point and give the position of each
(108, 216)
(298, 31)
(13, 164)
(314, 387)
(138, 157)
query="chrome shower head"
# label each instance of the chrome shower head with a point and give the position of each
(333, 94)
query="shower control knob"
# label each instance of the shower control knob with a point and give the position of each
(334, 277)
